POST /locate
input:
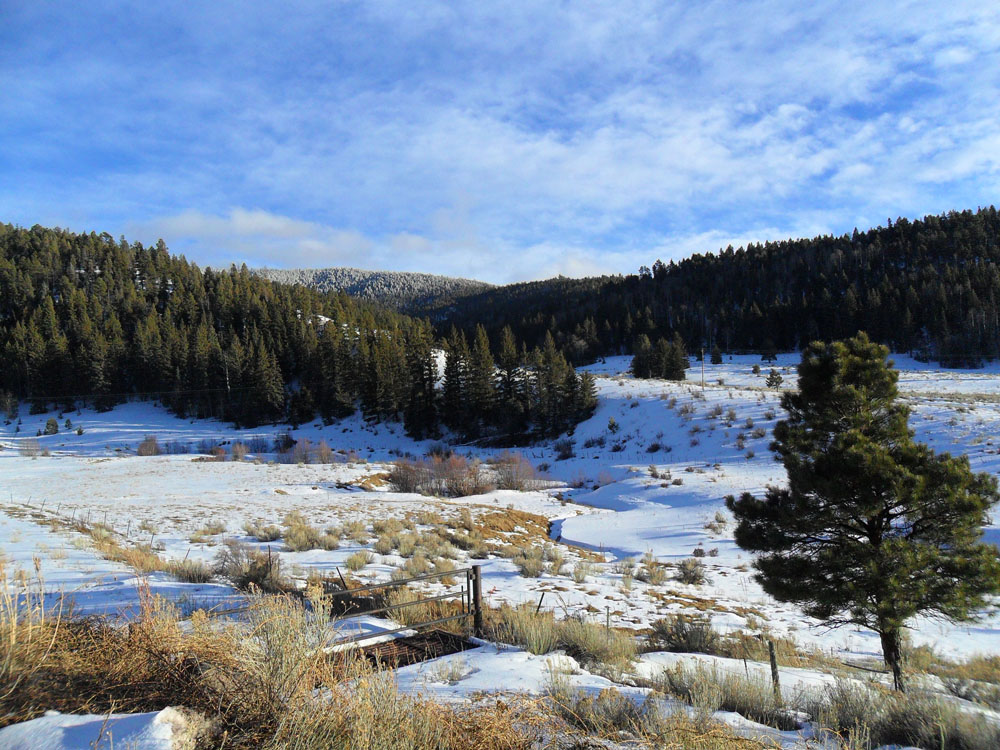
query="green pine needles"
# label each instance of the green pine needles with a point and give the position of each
(873, 527)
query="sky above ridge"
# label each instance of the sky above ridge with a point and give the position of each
(495, 140)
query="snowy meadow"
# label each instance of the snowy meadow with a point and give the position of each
(620, 527)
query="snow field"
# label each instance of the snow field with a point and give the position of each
(654, 486)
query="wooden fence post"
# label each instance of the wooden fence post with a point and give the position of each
(477, 600)
(774, 672)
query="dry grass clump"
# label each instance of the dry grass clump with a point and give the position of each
(250, 569)
(357, 560)
(624, 567)
(541, 633)
(300, 536)
(356, 531)
(388, 526)
(424, 611)
(612, 717)
(595, 644)
(204, 534)
(556, 559)
(536, 632)
(417, 565)
(470, 541)
(261, 532)
(384, 545)
(406, 544)
(684, 634)
(190, 571)
(581, 570)
(867, 715)
(262, 683)
(976, 679)
(529, 562)
(652, 571)
(709, 690)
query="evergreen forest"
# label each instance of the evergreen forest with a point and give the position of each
(88, 319)
(930, 287)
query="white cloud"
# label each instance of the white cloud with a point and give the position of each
(509, 139)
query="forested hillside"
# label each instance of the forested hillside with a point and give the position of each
(930, 286)
(86, 318)
(396, 289)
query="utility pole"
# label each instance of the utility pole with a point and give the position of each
(703, 368)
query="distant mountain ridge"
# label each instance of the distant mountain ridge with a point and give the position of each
(400, 289)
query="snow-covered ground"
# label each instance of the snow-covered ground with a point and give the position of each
(649, 475)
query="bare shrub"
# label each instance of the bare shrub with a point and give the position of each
(406, 476)
(302, 452)
(30, 448)
(239, 451)
(529, 562)
(324, 453)
(513, 472)
(564, 449)
(259, 444)
(248, 568)
(685, 633)
(691, 571)
(148, 447)
(452, 476)
(581, 570)
(651, 571)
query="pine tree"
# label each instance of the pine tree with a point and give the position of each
(873, 527)
(454, 403)
(678, 363)
(642, 353)
(420, 415)
(481, 390)
(586, 402)
(512, 389)
(716, 355)
(774, 379)
(267, 389)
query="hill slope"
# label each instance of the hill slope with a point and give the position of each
(397, 289)
(930, 286)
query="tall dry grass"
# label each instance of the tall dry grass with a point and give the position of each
(267, 681)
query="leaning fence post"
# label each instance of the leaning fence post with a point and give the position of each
(477, 600)
(774, 672)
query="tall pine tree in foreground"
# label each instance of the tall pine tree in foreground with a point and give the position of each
(873, 527)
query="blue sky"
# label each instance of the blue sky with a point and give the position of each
(501, 141)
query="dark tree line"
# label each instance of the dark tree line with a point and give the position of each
(513, 393)
(667, 360)
(85, 318)
(930, 286)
